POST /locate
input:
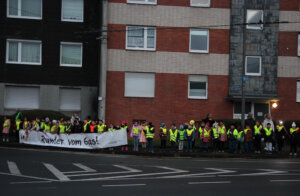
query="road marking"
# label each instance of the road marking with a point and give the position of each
(219, 182)
(13, 168)
(265, 173)
(284, 180)
(56, 172)
(122, 185)
(128, 170)
(219, 171)
(31, 182)
(24, 176)
(81, 166)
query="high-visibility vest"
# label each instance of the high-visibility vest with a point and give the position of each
(18, 123)
(279, 128)
(136, 130)
(101, 128)
(246, 130)
(43, 125)
(173, 135)
(292, 131)
(234, 133)
(164, 130)
(216, 133)
(206, 133)
(47, 127)
(85, 126)
(6, 124)
(62, 128)
(68, 127)
(189, 132)
(268, 131)
(240, 136)
(125, 127)
(222, 130)
(35, 125)
(200, 131)
(53, 128)
(92, 127)
(25, 124)
(257, 130)
(149, 134)
(181, 135)
(111, 129)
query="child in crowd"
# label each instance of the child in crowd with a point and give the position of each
(181, 138)
(216, 136)
(232, 136)
(201, 128)
(223, 136)
(5, 130)
(173, 132)
(294, 131)
(206, 137)
(240, 141)
(268, 138)
(257, 136)
(135, 133)
(142, 136)
(280, 135)
(190, 137)
(124, 126)
(163, 135)
(248, 139)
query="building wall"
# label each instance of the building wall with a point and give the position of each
(50, 99)
(170, 104)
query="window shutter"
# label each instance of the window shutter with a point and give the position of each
(22, 97)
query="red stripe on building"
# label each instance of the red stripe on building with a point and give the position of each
(170, 104)
(289, 5)
(173, 40)
(185, 3)
(288, 44)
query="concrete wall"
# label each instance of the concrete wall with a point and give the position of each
(262, 43)
(49, 99)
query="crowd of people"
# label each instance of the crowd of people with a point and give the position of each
(256, 137)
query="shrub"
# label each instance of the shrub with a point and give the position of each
(32, 114)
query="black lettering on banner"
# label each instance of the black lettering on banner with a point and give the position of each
(52, 141)
(74, 142)
(91, 142)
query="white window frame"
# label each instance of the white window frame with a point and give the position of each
(142, 96)
(20, 52)
(197, 97)
(253, 74)
(199, 5)
(297, 85)
(145, 39)
(71, 20)
(298, 44)
(19, 12)
(146, 2)
(70, 65)
(262, 20)
(190, 42)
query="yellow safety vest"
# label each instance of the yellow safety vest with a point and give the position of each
(257, 130)
(189, 132)
(216, 133)
(173, 135)
(53, 128)
(292, 131)
(47, 127)
(85, 126)
(101, 128)
(268, 131)
(240, 136)
(279, 128)
(206, 133)
(149, 135)
(164, 130)
(62, 128)
(200, 131)
(6, 124)
(222, 130)
(136, 130)
(111, 129)
(18, 123)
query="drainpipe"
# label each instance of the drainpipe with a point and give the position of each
(103, 63)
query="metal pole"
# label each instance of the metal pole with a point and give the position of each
(243, 66)
(103, 63)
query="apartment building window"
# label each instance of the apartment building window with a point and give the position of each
(255, 16)
(199, 40)
(197, 87)
(141, 38)
(72, 10)
(69, 99)
(142, 1)
(71, 54)
(299, 45)
(139, 84)
(21, 97)
(298, 91)
(24, 52)
(31, 9)
(253, 65)
(200, 3)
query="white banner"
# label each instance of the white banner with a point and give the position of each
(78, 140)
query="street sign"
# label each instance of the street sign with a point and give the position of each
(244, 78)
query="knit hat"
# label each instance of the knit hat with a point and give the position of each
(162, 124)
(293, 124)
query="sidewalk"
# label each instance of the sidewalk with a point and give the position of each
(160, 153)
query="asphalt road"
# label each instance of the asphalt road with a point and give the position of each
(42, 172)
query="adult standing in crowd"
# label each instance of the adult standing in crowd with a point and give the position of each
(268, 120)
(250, 121)
(209, 120)
(294, 132)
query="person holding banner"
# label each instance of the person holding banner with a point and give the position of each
(17, 129)
(135, 133)
(54, 128)
(101, 127)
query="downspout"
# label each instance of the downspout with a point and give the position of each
(103, 63)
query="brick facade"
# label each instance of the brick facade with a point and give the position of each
(170, 104)
(289, 5)
(287, 44)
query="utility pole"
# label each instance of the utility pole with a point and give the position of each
(243, 66)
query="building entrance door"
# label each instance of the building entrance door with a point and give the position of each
(260, 109)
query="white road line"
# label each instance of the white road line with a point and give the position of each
(284, 180)
(128, 170)
(265, 172)
(56, 172)
(24, 176)
(81, 166)
(219, 182)
(31, 182)
(122, 185)
(219, 171)
(13, 168)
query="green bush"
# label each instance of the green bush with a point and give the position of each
(42, 114)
